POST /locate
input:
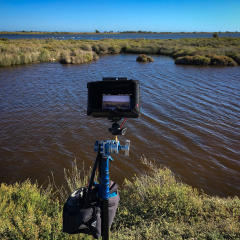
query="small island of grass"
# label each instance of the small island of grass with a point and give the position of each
(208, 59)
(144, 58)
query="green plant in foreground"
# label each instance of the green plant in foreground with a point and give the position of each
(153, 206)
(156, 206)
(29, 212)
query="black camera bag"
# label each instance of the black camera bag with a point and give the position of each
(77, 218)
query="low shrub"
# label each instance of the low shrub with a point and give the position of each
(179, 53)
(103, 48)
(88, 57)
(144, 58)
(6, 60)
(193, 60)
(114, 49)
(20, 58)
(77, 56)
(236, 57)
(137, 49)
(221, 60)
(126, 48)
(29, 212)
(65, 57)
(209, 59)
(96, 48)
(86, 47)
(44, 56)
(95, 56)
(168, 51)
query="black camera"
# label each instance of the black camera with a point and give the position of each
(114, 98)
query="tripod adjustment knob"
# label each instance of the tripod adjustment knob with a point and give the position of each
(126, 147)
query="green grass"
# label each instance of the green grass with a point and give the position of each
(157, 206)
(153, 205)
(29, 212)
(21, 51)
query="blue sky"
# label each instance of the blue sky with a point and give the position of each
(120, 15)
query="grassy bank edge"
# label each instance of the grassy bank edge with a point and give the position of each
(224, 51)
(154, 205)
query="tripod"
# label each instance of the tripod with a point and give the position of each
(104, 149)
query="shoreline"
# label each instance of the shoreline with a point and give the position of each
(99, 33)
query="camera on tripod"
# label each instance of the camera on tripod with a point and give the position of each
(114, 98)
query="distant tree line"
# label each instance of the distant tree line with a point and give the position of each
(172, 32)
(97, 31)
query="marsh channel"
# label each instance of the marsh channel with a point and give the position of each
(190, 121)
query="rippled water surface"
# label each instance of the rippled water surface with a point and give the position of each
(189, 122)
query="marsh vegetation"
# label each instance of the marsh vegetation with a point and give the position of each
(144, 58)
(154, 205)
(195, 51)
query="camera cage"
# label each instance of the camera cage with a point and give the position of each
(114, 98)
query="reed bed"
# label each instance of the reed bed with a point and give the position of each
(185, 51)
(153, 205)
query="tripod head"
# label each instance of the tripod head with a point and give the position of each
(113, 146)
(116, 129)
(109, 147)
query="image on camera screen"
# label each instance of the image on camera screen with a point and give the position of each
(115, 102)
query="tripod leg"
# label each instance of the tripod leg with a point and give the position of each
(100, 167)
(105, 196)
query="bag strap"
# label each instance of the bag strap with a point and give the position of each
(90, 185)
(113, 188)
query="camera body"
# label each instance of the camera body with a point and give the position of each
(114, 98)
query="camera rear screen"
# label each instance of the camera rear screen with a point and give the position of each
(114, 99)
(115, 102)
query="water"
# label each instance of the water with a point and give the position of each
(189, 122)
(117, 36)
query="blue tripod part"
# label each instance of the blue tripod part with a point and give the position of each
(107, 148)
(105, 178)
